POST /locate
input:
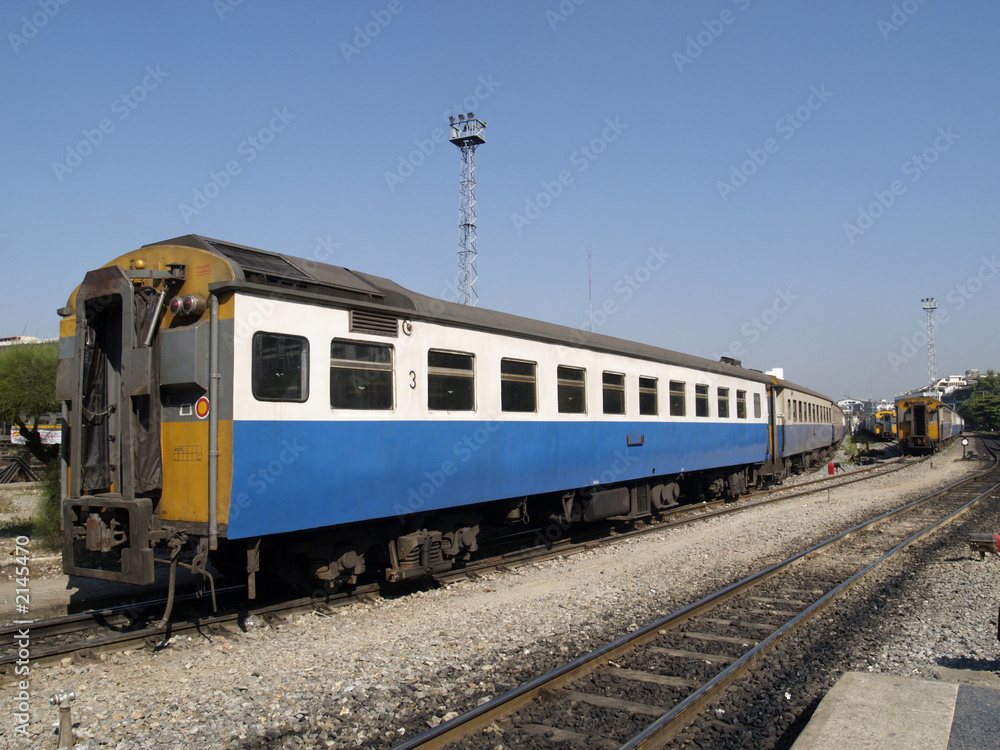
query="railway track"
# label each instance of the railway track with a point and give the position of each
(86, 635)
(643, 689)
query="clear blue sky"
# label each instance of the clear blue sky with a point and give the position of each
(715, 156)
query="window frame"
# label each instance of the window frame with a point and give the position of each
(678, 396)
(648, 391)
(702, 401)
(563, 383)
(741, 404)
(381, 367)
(303, 368)
(615, 390)
(722, 400)
(436, 371)
(519, 378)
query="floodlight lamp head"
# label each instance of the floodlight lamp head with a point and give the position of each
(451, 119)
(470, 115)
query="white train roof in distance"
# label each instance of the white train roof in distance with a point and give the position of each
(280, 275)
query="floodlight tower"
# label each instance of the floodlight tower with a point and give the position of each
(467, 133)
(930, 305)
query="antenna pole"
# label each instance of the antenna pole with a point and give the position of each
(590, 287)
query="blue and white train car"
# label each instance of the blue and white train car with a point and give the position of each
(274, 413)
(806, 425)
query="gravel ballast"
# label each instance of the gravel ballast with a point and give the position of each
(370, 674)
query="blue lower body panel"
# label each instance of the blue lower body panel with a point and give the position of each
(289, 476)
(802, 438)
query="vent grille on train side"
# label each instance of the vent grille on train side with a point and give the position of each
(364, 321)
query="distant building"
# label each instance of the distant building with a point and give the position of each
(11, 340)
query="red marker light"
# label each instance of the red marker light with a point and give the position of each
(201, 408)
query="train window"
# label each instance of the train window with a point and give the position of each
(450, 381)
(517, 385)
(572, 389)
(677, 406)
(723, 399)
(756, 406)
(648, 396)
(701, 400)
(360, 375)
(741, 404)
(614, 393)
(280, 370)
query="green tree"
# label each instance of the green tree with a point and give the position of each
(981, 411)
(27, 391)
(988, 384)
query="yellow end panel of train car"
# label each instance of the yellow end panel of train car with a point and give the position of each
(933, 423)
(67, 326)
(201, 269)
(185, 470)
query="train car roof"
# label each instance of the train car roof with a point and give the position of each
(264, 272)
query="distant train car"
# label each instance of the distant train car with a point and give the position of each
(885, 424)
(925, 424)
(866, 425)
(806, 424)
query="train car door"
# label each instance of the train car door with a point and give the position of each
(776, 426)
(919, 420)
(115, 467)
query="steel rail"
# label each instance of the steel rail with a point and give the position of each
(158, 635)
(504, 705)
(670, 724)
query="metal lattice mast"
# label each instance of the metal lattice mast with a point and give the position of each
(467, 133)
(930, 305)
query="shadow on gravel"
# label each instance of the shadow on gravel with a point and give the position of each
(961, 662)
(788, 737)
